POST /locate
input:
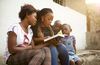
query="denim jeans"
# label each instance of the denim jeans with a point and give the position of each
(61, 52)
(54, 55)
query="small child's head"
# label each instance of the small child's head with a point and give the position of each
(66, 29)
(57, 25)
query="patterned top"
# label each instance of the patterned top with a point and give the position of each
(22, 37)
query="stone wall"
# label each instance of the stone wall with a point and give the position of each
(93, 40)
(93, 34)
(78, 5)
(93, 13)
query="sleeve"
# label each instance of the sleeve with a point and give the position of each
(13, 28)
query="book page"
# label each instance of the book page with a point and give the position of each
(53, 37)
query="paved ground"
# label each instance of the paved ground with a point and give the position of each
(88, 57)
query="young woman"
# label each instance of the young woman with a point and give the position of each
(43, 30)
(21, 48)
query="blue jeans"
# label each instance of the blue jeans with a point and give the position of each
(61, 52)
(54, 55)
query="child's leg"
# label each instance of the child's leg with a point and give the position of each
(72, 62)
(78, 62)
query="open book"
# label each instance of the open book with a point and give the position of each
(54, 37)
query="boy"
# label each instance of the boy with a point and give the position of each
(69, 41)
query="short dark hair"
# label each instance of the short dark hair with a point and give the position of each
(57, 21)
(27, 9)
(67, 25)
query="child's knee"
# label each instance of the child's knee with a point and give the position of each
(72, 62)
(78, 62)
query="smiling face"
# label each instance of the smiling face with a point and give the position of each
(47, 19)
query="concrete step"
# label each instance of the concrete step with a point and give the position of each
(89, 57)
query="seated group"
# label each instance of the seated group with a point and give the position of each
(25, 41)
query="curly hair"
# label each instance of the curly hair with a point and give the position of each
(27, 9)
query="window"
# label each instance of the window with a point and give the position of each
(59, 1)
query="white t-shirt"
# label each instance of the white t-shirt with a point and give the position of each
(21, 36)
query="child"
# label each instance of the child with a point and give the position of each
(69, 41)
(57, 26)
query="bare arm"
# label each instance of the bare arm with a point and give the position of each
(38, 40)
(39, 46)
(74, 45)
(12, 44)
